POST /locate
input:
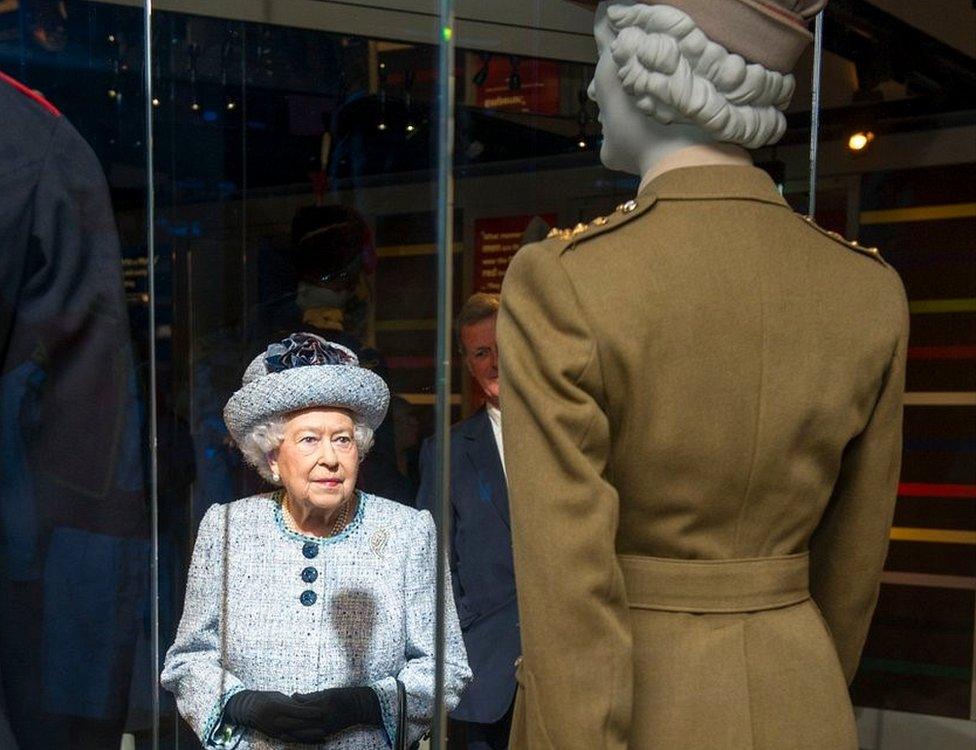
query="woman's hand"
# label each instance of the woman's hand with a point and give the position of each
(308, 717)
(274, 714)
(340, 708)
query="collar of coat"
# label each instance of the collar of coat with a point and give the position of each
(706, 183)
(685, 183)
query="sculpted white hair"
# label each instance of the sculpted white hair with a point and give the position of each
(262, 440)
(677, 74)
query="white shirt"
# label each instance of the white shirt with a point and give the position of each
(495, 417)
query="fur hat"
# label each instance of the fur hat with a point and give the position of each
(773, 33)
(300, 372)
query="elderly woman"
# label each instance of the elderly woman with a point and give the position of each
(309, 611)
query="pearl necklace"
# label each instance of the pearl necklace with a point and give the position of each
(342, 516)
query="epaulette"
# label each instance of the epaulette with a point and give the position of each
(624, 213)
(871, 252)
(30, 94)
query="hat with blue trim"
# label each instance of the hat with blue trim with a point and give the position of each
(301, 372)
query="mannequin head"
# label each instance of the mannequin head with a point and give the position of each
(662, 86)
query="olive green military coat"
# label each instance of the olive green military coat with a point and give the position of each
(701, 399)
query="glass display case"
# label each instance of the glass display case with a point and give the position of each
(202, 147)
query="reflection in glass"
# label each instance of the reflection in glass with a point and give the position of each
(74, 515)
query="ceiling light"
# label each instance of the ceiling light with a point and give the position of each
(859, 141)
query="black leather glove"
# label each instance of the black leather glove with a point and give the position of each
(272, 713)
(341, 708)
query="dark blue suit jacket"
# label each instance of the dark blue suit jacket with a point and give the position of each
(482, 573)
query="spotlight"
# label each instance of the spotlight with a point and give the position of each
(381, 126)
(411, 127)
(112, 93)
(195, 106)
(859, 141)
(155, 101)
(111, 38)
(231, 105)
(582, 143)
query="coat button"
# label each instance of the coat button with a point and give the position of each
(310, 550)
(308, 598)
(309, 575)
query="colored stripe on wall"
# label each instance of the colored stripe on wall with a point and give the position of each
(928, 580)
(941, 536)
(927, 306)
(427, 399)
(940, 398)
(919, 213)
(920, 489)
(942, 352)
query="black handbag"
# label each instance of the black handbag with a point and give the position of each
(401, 730)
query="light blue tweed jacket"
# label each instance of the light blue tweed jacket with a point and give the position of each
(269, 609)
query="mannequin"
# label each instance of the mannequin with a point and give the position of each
(669, 97)
(702, 412)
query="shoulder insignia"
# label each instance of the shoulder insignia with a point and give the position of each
(871, 252)
(30, 94)
(622, 214)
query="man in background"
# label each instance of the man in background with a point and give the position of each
(482, 573)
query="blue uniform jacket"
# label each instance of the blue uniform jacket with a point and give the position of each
(481, 565)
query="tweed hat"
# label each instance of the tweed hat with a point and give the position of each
(773, 33)
(302, 371)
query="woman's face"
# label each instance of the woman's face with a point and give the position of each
(631, 138)
(621, 129)
(318, 459)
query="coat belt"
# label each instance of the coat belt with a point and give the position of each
(715, 586)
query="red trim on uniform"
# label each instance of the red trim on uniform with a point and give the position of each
(31, 94)
(917, 489)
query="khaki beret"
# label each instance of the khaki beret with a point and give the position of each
(773, 33)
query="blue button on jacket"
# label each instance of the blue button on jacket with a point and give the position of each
(248, 625)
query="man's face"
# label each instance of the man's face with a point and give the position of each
(481, 355)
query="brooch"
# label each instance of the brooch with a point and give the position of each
(378, 541)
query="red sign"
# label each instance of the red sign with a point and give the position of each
(496, 240)
(535, 90)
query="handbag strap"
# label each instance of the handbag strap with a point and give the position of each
(401, 743)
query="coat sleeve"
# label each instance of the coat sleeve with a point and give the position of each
(193, 670)
(575, 675)
(72, 325)
(417, 675)
(848, 548)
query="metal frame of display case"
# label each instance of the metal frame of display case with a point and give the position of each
(559, 31)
